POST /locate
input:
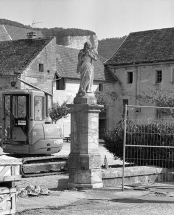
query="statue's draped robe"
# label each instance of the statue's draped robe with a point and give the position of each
(86, 69)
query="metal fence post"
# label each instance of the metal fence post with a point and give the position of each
(124, 147)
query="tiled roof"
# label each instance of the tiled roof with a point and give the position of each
(145, 47)
(67, 59)
(16, 33)
(16, 55)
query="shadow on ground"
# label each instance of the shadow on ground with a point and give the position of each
(62, 185)
(135, 200)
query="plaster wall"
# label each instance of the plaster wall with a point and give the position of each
(71, 89)
(43, 80)
(144, 79)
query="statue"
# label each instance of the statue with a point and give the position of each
(85, 68)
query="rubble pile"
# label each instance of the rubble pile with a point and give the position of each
(32, 191)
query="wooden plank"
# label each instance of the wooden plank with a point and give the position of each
(7, 198)
(13, 170)
(10, 198)
(4, 190)
(10, 178)
(13, 209)
(10, 164)
(4, 170)
(16, 170)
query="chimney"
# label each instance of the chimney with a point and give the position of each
(31, 35)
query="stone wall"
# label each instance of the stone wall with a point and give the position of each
(78, 41)
(112, 177)
(144, 80)
(43, 80)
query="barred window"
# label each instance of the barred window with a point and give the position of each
(158, 76)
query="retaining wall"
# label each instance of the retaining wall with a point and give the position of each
(140, 174)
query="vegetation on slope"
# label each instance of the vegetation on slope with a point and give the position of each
(106, 47)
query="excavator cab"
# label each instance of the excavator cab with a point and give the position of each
(16, 117)
(24, 127)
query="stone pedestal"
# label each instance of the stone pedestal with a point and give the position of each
(84, 160)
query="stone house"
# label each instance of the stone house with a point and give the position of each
(66, 84)
(31, 60)
(8, 32)
(42, 63)
(145, 60)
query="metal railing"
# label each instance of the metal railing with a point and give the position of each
(149, 139)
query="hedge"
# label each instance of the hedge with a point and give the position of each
(150, 135)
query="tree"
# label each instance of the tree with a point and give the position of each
(107, 47)
(58, 111)
(104, 98)
(161, 98)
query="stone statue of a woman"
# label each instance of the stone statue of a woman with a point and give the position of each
(85, 68)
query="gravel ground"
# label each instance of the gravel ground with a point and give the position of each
(93, 202)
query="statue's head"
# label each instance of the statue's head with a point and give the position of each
(88, 45)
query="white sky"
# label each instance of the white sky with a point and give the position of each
(107, 18)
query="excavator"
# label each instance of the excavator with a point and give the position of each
(27, 134)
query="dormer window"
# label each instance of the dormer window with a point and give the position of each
(41, 67)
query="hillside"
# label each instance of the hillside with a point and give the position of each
(106, 47)
(59, 33)
(13, 23)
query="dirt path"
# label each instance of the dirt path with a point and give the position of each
(94, 202)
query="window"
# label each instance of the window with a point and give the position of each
(162, 113)
(19, 106)
(125, 102)
(41, 67)
(158, 76)
(60, 84)
(38, 108)
(129, 77)
(100, 87)
(172, 75)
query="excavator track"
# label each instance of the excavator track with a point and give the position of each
(43, 165)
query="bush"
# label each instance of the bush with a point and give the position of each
(58, 111)
(152, 139)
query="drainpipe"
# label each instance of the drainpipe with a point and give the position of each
(136, 86)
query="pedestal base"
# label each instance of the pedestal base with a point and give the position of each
(84, 160)
(89, 186)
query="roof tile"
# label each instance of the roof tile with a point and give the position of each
(67, 59)
(16, 55)
(145, 47)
